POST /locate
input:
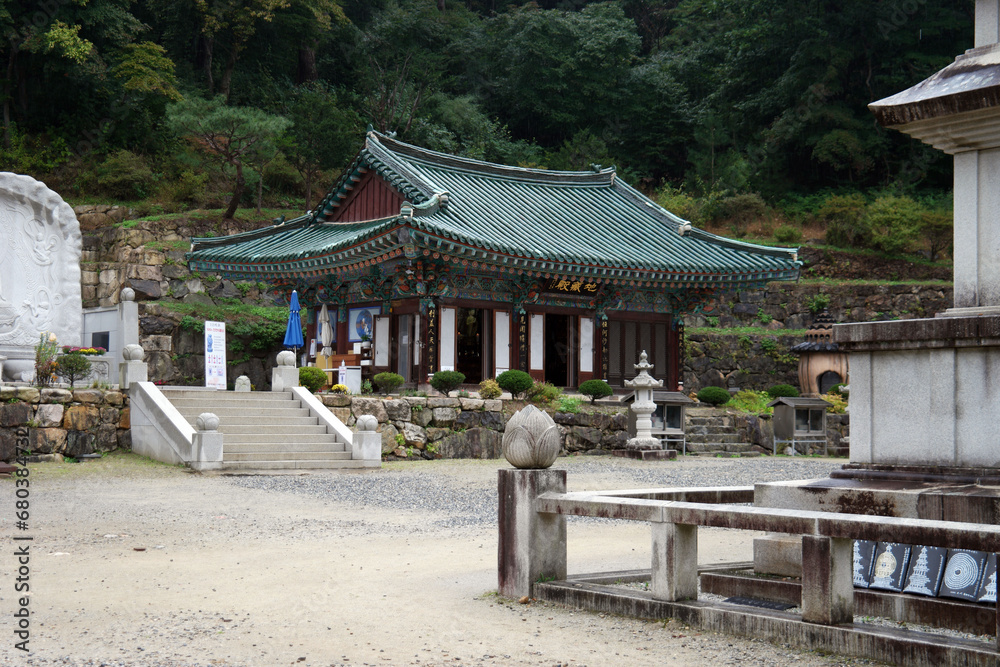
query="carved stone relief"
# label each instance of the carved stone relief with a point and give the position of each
(40, 248)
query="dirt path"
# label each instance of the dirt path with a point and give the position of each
(235, 575)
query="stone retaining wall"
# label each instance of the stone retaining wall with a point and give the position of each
(62, 422)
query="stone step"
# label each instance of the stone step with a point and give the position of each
(718, 447)
(242, 412)
(703, 430)
(212, 395)
(282, 420)
(715, 437)
(206, 404)
(287, 456)
(304, 464)
(277, 447)
(282, 431)
(257, 438)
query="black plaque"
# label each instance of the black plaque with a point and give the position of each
(962, 574)
(923, 577)
(889, 567)
(988, 588)
(864, 556)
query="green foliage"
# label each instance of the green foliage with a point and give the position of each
(594, 389)
(312, 378)
(838, 389)
(714, 395)
(780, 390)
(568, 404)
(263, 325)
(543, 393)
(819, 303)
(788, 234)
(45, 358)
(837, 401)
(843, 215)
(752, 402)
(72, 367)
(893, 223)
(125, 175)
(763, 317)
(516, 382)
(489, 389)
(445, 381)
(366, 388)
(388, 382)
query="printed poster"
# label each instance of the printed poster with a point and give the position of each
(215, 355)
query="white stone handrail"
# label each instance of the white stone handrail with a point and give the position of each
(326, 418)
(160, 432)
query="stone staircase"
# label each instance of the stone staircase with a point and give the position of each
(265, 430)
(710, 433)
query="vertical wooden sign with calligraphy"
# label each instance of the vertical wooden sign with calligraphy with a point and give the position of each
(432, 339)
(604, 349)
(522, 342)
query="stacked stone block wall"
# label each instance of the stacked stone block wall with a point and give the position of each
(63, 422)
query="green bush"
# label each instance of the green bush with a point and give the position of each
(780, 390)
(740, 211)
(819, 303)
(124, 175)
(568, 404)
(838, 389)
(594, 389)
(312, 378)
(544, 393)
(188, 188)
(489, 388)
(843, 215)
(445, 381)
(714, 396)
(72, 367)
(516, 382)
(388, 382)
(894, 223)
(752, 402)
(787, 234)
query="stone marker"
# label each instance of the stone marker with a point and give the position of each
(40, 248)
(285, 375)
(242, 384)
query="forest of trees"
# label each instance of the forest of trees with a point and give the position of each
(136, 99)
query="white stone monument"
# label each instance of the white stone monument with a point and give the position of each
(40, 248)
(643, 406)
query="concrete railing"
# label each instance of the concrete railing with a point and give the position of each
(160, 432)
(534, 504)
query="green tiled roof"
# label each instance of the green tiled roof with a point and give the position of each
(580, 223)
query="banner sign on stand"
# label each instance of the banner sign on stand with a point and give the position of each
(215, 355)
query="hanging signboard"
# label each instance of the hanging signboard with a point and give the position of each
(215, 355)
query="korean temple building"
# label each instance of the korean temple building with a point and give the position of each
(450, 263)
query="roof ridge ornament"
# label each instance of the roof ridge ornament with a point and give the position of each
(684, 228)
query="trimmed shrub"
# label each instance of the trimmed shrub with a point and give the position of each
(714, 396)
(785, 390)
(516, 382)
(544, 393)
(124, 175)
(489, 389)
(594, 389)
(72, 367)
(388, 382)
(312, 378)
(445, 381)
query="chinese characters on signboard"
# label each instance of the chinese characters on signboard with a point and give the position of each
(570, 286)
(215, 355)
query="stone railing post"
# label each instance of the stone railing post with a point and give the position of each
(242, 384)
(367, 443)
(128, 317)
(532, 544)
(675, 562)
(207, 443)
(133, 368)
(827, 583)
(285, 375)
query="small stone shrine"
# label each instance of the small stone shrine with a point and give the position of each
(40, 246)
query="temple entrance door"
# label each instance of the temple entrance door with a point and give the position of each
(470, 324)
(626, 339)
(404, 346)
(559, 349)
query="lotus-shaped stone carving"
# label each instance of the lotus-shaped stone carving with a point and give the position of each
(531, 439)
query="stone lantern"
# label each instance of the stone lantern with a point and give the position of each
(643, 407)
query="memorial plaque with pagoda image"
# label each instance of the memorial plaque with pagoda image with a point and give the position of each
(988, 589)
(962, 574)
(889, 568)
(925, 571)
(864, 554)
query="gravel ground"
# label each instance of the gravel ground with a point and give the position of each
(138, 564)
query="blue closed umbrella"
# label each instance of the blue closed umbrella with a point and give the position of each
(293, 333)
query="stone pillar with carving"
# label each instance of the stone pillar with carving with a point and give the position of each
(207, 443)
(532, 545)
(133, 368)
(285, 375)
(643, 407)
(367, 443)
